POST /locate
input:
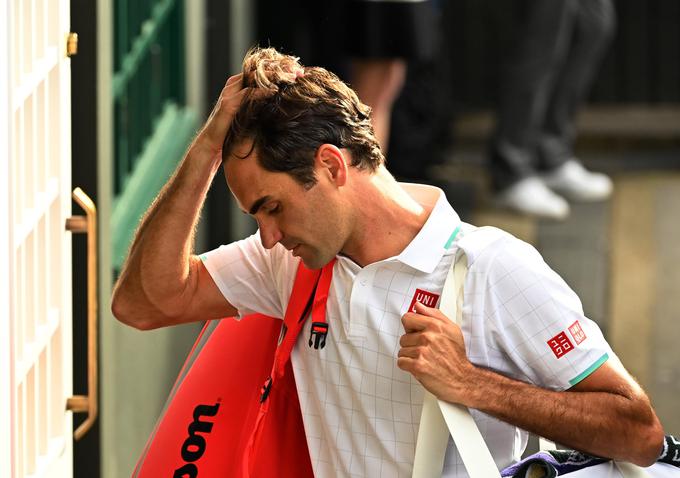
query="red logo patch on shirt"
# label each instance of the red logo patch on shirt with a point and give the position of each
(577, 332)
(560, 344)
(424, 297)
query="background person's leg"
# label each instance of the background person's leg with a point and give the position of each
(539, 45)
(540, 42)
(378, 82)
(382, 36)
(593, 31)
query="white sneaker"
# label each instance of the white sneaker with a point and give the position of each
(577, 183)
(531, 196)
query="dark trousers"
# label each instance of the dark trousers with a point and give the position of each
(556, 48)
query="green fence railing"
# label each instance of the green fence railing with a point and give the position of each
(152, 123)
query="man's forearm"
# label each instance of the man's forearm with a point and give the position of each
(606, 414)
(157, 269)
(617, 426)
(159, 281)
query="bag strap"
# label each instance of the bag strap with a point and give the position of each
(440, 418)
(319, 329)
(310, 292)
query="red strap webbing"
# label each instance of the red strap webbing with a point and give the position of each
(309, 292)
(321, 295)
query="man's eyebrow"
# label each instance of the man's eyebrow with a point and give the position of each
(258, 204)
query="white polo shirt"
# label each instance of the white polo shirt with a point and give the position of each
(360, 411)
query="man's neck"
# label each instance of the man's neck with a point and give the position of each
(389, 216)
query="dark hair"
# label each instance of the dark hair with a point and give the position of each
(294, 110)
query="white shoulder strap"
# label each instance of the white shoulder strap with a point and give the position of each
(629, 470)
(440, 418)
(546, 445)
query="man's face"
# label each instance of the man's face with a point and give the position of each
(311, 223)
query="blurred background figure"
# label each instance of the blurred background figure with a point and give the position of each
(557, 47)
(422, 117)
(368, 43)
(382, 36)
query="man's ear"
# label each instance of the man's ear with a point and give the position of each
(332, 161)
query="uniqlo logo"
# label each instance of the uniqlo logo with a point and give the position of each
(424, 297)
(560, 344)
(577, 332)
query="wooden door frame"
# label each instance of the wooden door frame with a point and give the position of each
(87, 451)
(35, 113)
(6, 455)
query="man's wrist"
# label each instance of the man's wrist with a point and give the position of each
(202, 152)
(203, 146)
(475, 390)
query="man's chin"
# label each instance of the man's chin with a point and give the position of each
(314, 262)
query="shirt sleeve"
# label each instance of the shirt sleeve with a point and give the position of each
(535, 319)
(253, 279)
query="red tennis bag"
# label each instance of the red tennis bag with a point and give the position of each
(234, 409)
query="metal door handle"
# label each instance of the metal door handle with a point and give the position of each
(87, 224)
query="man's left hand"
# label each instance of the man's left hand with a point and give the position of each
(433, 351)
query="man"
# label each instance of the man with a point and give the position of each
(299, 154)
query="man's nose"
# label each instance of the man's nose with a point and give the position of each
(269, 235)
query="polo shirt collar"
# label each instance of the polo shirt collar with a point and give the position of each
(426, 250)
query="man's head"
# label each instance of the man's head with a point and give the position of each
(293, 111)
(289, 151)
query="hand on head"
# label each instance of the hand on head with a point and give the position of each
(264, 72)
(216, 127)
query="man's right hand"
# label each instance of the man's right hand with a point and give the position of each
(211, 137)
